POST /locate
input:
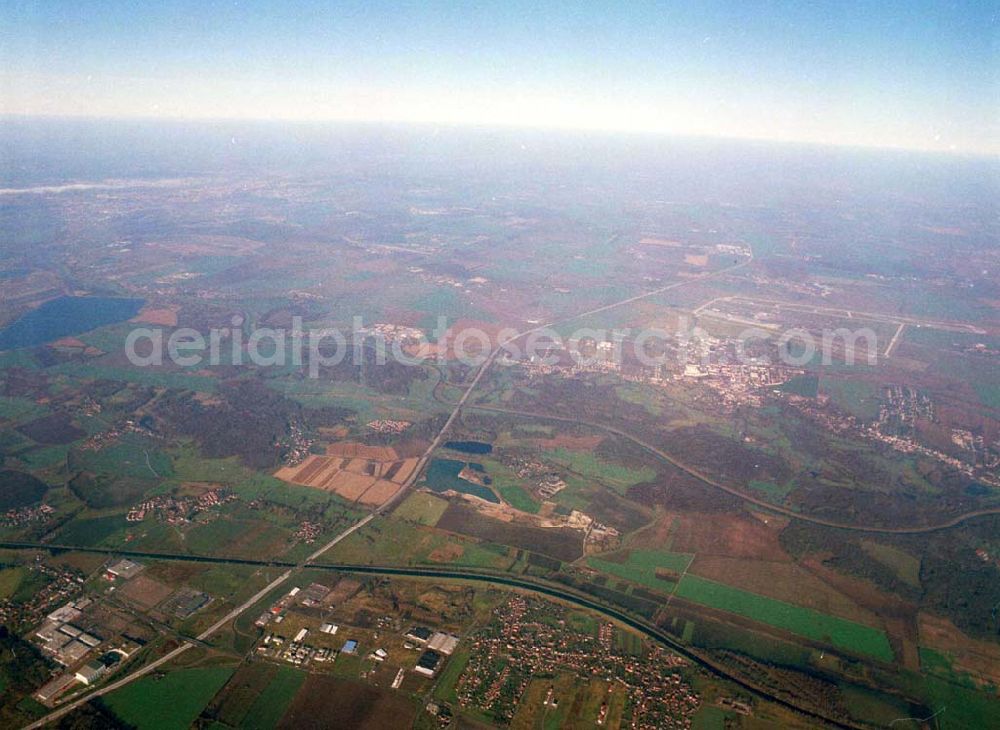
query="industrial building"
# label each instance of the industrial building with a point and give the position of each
(90, 672)
(428, 663)
(53, 689)
(123, 569)
(419, 634)
(443, 643)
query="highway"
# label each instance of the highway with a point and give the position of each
(502, 345)
(752, 499)
(204, 636)
(386, 507)
(290, 569)
(523, 583)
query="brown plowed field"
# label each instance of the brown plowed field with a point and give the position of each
(325, 702)
(351, 471)
(354, 450)
(350, 486)
(379, 492)
(405, 470)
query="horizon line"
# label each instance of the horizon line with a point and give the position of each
(993, 155)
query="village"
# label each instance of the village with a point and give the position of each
(899, 410)
(530, 638)
(179, 510)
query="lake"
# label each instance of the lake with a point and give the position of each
(64, 317)
(442, 475)
(469, 447)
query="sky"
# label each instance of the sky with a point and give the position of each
(912, 74)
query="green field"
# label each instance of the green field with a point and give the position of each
(618, 477)
(805, 385)
(398, 542)
(640, 567)
(517, 498)
(10, 580)
(960, 707)
(169, 702)
(773, 492)
(132, 457)
(242, 538)
(805, 622)
(445, 689)
(711, 718)
(18, 409)
(903, 564)
(858, 397)
(422, 508)
(158, 377)
(45, 456)
(94, 531)
(989, 394)
(271, 704)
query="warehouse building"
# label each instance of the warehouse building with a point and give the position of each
(428, 663)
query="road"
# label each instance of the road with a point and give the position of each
(523, 583)
(502, 345)
(895, 339)
(705, 479)
(203, 636)
(388, 506)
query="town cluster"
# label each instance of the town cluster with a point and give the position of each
(529, 637)
(719, 365)
(295, 445)
(900, 409)
(76, 637)
(25, 515)
(60, 584)
(388, 426)
(179, 510)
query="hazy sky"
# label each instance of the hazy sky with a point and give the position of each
(914, 74)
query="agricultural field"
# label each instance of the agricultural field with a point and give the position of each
(656, 570)
(846, 635)
(421, 508)
(10, 580)
(365, 475)
(356, 705)
(397, 541)
(617, 476)
(579, 704)
(170, 701)
(560, 543)
(255, 697)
